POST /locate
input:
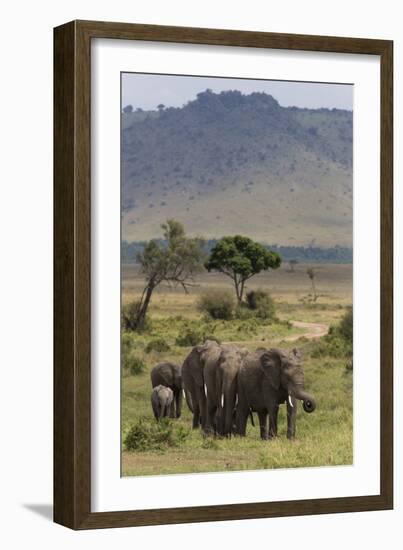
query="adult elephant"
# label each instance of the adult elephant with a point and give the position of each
(169, 375)
(266, 379)
(202, 355)
(220, 378)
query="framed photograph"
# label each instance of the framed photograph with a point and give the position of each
(222, 275)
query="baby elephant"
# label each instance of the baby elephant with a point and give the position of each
(161, 401)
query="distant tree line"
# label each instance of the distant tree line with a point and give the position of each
(301, 254)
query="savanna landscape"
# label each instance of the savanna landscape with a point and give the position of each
(323, 438)
(236, 232)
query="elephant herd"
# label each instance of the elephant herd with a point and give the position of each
(224, 385)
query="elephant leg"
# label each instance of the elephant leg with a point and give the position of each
(229, 407)
(211, 425)
(291, 418)
(220, 420)
(263, 425)
(273, 415)
(178, 403)
(196, 415)
(171, 409)
(241, 413)
(189, 400)
(201, 400)
(241, 421)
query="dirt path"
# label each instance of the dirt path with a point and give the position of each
(313, 330)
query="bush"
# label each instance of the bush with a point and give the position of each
(127, 342)
(261, 303)
(338, 342)
(249, 326)
(146, 435)
(243, 312)
(129, 317)
(330, 346)
(131, 362)
(218, 304)
(158, 344)
(345, 327)
(191, 337)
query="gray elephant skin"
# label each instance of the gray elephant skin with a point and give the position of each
(200, 356)
(266, 379)
(162, 401)
(169, 375)
(220, 378)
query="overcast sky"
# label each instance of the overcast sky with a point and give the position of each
(147, 91)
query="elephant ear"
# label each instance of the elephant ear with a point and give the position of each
(271, 361)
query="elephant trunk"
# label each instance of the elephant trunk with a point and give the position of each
(308, 402)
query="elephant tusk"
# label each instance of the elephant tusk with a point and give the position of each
(236, 400)
(183, 393)
(205, 389)
(222, 400)
(290, 401)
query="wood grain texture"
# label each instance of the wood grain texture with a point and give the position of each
(64, 381)
(72, 292)
(387, 273)
(72, 274)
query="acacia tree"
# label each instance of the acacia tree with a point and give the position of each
(240, 258)
(175, 261)
(311, 272)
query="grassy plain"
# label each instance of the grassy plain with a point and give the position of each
(324, 438)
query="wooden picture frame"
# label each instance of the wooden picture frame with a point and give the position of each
(72, 273)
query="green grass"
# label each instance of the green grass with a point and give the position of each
(324, 438)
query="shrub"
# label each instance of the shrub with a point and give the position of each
(191, 337)
(249, 326)
(330, 346)
(158, 344)
(127, 342)
(131, 362)
(129, 317)
(349, 366)
(196, 335)
(146, 435)
(243, 312)
(338, 342)
(261, 303)
(345, 327)
(218, 304)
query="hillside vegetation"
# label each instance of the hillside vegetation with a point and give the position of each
(232, 163)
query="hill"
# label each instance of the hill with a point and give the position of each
(232, 163)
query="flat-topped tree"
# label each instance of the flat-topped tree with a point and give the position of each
(240, 258)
